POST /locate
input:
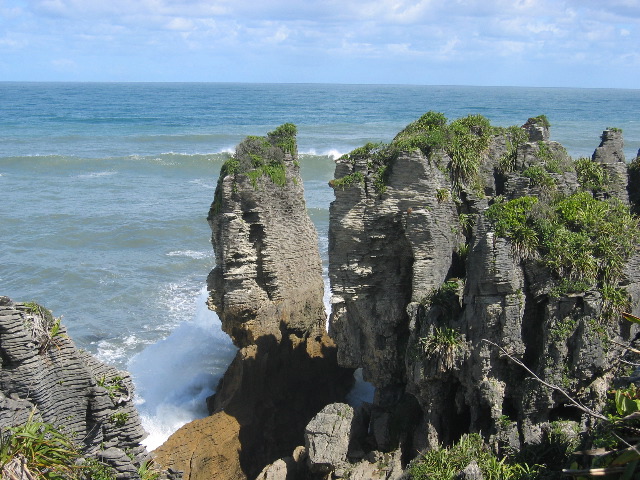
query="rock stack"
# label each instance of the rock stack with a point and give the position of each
(267, 289)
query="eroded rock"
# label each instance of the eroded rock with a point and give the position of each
(421, 279)
(44, 377)
(267, 289)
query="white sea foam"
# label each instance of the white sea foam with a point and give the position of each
(189, 253)
(174, 377)
(106, 173)
(110, 353)
(334, 154)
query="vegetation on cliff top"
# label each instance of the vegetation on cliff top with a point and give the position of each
(258, 157)
(447, 463)
(464, 141)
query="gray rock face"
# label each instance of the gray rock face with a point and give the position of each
(633, 189)
(610, 153)
(471, 472)
(537, 130)
(391, 250)
(268, 274)
(327, 437)
(44, 375)
(385, 252)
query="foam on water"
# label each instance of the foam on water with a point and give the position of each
(334, 154)
(174, 376)
(189, 254)
(97, 174)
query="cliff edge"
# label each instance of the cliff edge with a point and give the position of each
(458, 239)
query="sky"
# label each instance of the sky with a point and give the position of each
(552, 43)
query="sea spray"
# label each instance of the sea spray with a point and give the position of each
(174, 376)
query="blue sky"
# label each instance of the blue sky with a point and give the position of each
(576, 43)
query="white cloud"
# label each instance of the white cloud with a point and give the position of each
(12, 42)
(280, 35)
(180, 24)
(457, 32)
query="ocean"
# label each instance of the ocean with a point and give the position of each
(105, 189)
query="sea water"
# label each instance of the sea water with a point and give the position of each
(105, 189)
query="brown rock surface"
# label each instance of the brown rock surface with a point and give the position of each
(205, 449)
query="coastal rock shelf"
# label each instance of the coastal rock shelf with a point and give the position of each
(45, 378)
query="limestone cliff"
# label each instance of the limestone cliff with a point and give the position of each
(267, 288)
(43, 376)
(268, 274)
(454, 234)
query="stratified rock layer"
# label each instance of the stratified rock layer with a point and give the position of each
(268, 274)
(391, 248)
(610, 154)
(43, 376)
(267, 288)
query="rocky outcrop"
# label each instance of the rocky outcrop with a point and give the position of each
(268, 275)
(44, 377)
(267, 288)
(423, 276)
(610, 154)
(633, 188)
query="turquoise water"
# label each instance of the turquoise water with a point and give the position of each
(104, 190)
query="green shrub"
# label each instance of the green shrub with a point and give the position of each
(539, 177)
(284, 137)
(591, 175)
(513, 220)
(443, 346)
(366, 152)
(515, 137)
(148, 471)
(93, 469)
(445, 295)
(578, 237)
(347, 180)
(541, 120)
(464, 140)
(119, 419)
(49, 453)
(446, 463)
(443, 194)
(258, 157)
(115, 386)
(380, 179)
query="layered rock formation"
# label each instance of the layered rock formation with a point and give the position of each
(423, 273)
(451, 249)
(610, 154)
(44, 377)
(267, 288)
